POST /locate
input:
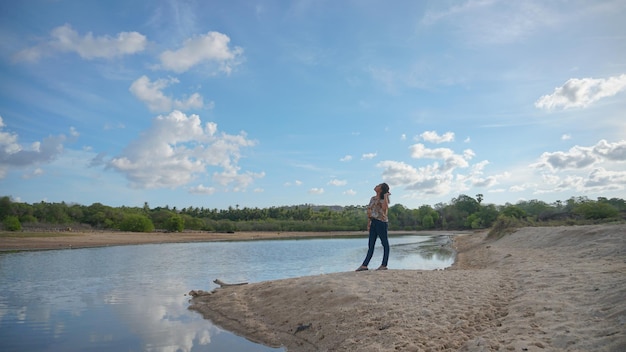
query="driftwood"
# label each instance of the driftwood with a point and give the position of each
(223, 284)
(198, 293)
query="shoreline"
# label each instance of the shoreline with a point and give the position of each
(537, 289)
(32, 241)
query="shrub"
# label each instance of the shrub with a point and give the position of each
(136, 223)
(191, 223)
(514, 212)
(175, 224)
(596, 210)
(428, 222)
(504, 225)
(12, 223)
(225, 226)
(28, 218)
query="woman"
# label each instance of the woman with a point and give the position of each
(377, 225)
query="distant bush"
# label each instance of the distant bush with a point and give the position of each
(428, 222)
(514, 212)
(226, 226)
(136, 223)
(191, 223)
(505, 225)
(596, 210)
(12, 223)
(28, 218)
(175, 223)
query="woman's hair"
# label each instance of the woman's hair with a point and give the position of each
(384, 189)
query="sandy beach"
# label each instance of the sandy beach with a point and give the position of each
(538, 289)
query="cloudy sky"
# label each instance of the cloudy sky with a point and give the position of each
(270, 102)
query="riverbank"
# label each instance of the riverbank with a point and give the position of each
(538, 289)
(15, 241)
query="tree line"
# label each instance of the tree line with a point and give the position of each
(461, 213)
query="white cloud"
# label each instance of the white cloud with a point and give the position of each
(476, 179)
(349, 192)
(346, 158)
(611, 151)
(316, 191)
(238, 181)
(442, 176)
(582, 157)
(433, 137)
(151, 93)
(336, 182)
(450, 158)
(556, 183)
(212, 47)
(295, 183)
(426, 179)
(581, 169)
(8, 140)
(566, 137)
(584, 169)
(177, 149)
(367, 156)
(517, 188)
(468, 154)
(66, 39)
(202, 189)
(15, 155)
(606, 179)
(420, 151)
(580, 93)
(576, 158)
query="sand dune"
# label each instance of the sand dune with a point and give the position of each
(538, 289)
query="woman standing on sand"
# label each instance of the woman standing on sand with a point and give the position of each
(377, 225)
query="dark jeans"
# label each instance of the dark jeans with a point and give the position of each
(378, 229)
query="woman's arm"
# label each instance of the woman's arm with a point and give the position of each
(385, 204)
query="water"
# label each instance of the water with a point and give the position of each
(133, 298)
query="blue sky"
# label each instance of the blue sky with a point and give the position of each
(269, 103)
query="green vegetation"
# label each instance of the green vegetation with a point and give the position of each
(176, 223)
(12, 223)
(461, 213)
(136, 223)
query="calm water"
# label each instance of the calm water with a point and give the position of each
(132, 298)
